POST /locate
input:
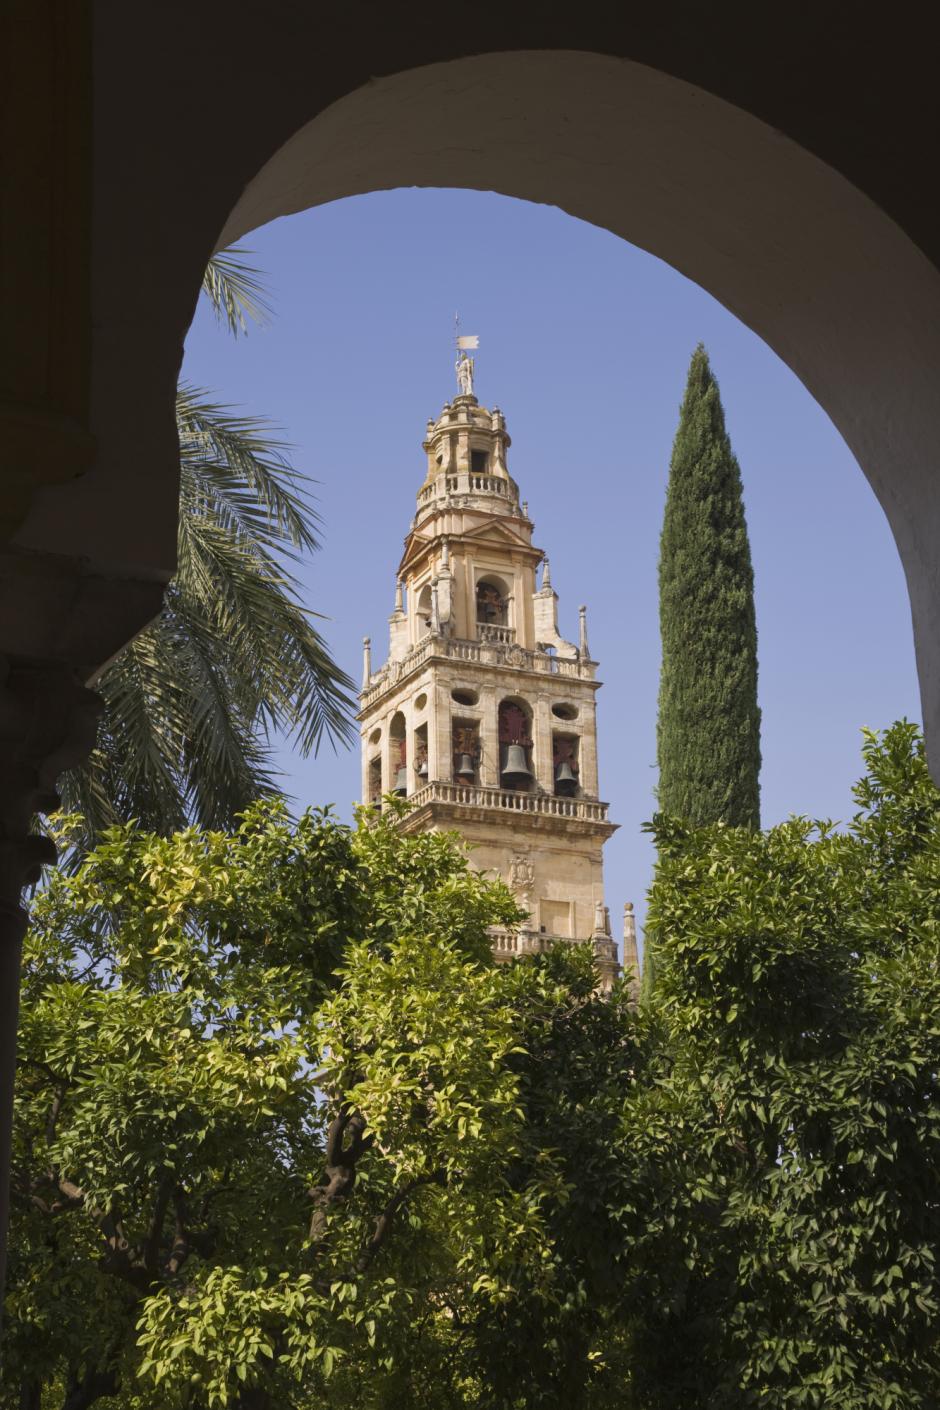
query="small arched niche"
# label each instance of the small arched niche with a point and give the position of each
(423, 610)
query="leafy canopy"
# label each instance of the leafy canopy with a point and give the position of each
(284, 1133)
(271, 1131)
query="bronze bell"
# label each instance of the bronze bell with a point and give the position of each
(422, 769)
(401, 781)
(465, 768)
(566, 780)
(515, 766)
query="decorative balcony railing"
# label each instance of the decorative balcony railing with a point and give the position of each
(491, 631)
(507, 943)
(466, 483)
(490, 652)
(477, 795)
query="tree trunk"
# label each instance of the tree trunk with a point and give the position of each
(82, 1394)
(31, 1395)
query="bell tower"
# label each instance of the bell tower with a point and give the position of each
(483, 715)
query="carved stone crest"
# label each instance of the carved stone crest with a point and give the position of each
(522, 879)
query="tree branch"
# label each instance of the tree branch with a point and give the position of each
(384, 1222)
(341, 1162)
(180, 1248)
(152, 1242)
(82, 1394)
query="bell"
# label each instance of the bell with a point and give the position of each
(516, 766)
(565, 779)
(465, 767)
(422, 769)
(401, 781)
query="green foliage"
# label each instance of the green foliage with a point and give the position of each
(799, 989)
(285, 1134)
(191, 702)
(271, 1124)
(708, 731)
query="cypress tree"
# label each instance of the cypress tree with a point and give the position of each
(708, 731)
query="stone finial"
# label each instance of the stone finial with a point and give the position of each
(525, 509)
(399, 600)
(600, 931)
(631, 959)
(366, 662)
(583, 639)
(546, 576)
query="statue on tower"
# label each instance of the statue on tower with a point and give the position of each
(466, 343)
(465, 375)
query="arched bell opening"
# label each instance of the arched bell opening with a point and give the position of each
(566, 768)
(515, 746)
(420, 756)
(398, 755)
(423, 610)
(492, 608)
(466, 751)
(374, 782)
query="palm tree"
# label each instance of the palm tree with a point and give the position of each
(191, 703)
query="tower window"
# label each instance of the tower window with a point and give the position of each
(491, 604)
(375, 780)
(479, 461)
(466, 750)
(398, 755)
(565, 766)
(515, 747)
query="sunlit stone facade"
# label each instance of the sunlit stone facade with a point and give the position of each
(483, 715)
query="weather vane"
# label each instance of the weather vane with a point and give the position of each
(464, 366)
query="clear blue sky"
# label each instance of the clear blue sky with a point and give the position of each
(584, 343)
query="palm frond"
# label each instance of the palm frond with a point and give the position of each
(234, 464)
(235, 290)
(191, 704)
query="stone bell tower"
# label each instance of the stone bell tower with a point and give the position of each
(483, 716)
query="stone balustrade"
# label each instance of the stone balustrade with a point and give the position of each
(466, 483)
(477, 795)
(507, 944)
(500, 652)
(492, 631)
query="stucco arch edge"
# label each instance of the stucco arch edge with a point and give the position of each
(789, 246)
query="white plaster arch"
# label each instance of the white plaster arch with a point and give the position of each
(796, 252)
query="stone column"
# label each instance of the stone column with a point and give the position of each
(588, 751)
(542, 732)
(489, 738)
(48, 721)
(440, 763)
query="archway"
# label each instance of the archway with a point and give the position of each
(802, 257)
